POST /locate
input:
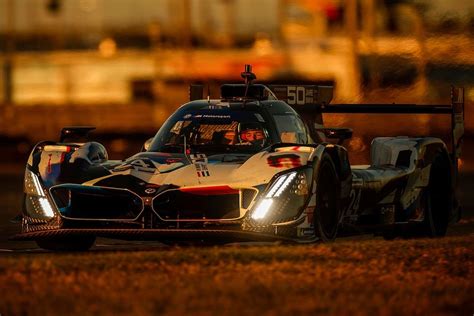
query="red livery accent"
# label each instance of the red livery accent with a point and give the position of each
(284, 161)
(49, 164)
(214, 190)
(173, 160)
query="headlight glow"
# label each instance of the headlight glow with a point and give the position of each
(276, 186)
(46, 207)
(32, 184)
(284, 197)
(285, 184)
(262, 209)
(300, 186)
(38, 203)
(280, 185)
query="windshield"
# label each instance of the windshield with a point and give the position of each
(212, 131)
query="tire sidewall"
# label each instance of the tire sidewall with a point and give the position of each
(327, 166)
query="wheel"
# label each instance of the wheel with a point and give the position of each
(328, 205)
(438, 198)
(67, 244)
(436, 201)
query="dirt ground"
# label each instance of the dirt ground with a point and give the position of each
(349, 277)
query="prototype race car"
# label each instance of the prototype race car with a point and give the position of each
(252, 165)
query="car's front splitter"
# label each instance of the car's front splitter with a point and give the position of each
(212, 235)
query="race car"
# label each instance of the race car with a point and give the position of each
(257, 164)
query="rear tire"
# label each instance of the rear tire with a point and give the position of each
(439, 198)
(436, 201)
(327, 214)
(67, 244)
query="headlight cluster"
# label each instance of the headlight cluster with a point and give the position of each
(37, 203)
(284, 198)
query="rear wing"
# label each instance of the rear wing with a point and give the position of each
(455, 110)
(310, 101)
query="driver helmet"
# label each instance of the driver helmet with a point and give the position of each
(252, 133)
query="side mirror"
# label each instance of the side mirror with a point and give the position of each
(341, 133)
(147, 144)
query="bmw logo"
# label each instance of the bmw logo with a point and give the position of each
(150, 191)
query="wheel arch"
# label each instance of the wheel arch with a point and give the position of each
(340, 158)
(429, 148)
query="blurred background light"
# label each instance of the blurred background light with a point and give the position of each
(107, 47)
(87, 5)
(61, 63)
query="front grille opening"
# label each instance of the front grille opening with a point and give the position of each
(247, 197)
(178, 205)
(96, 203)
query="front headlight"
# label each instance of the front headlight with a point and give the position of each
(32, 184)
(284, 198)
(37, 202)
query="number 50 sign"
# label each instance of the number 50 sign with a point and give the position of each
(296, 95)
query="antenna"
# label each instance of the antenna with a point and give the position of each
(248, 76)
(208, 94)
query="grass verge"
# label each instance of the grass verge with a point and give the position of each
(361, 277)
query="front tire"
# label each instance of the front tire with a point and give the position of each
(67, 244)
(327, 214)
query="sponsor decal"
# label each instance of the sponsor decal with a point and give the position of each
(200, 163)
(303, 232)
(354, 200)
(310, 214)
(284, 161)
(143, 164)
(170, 161)
(212, 116)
